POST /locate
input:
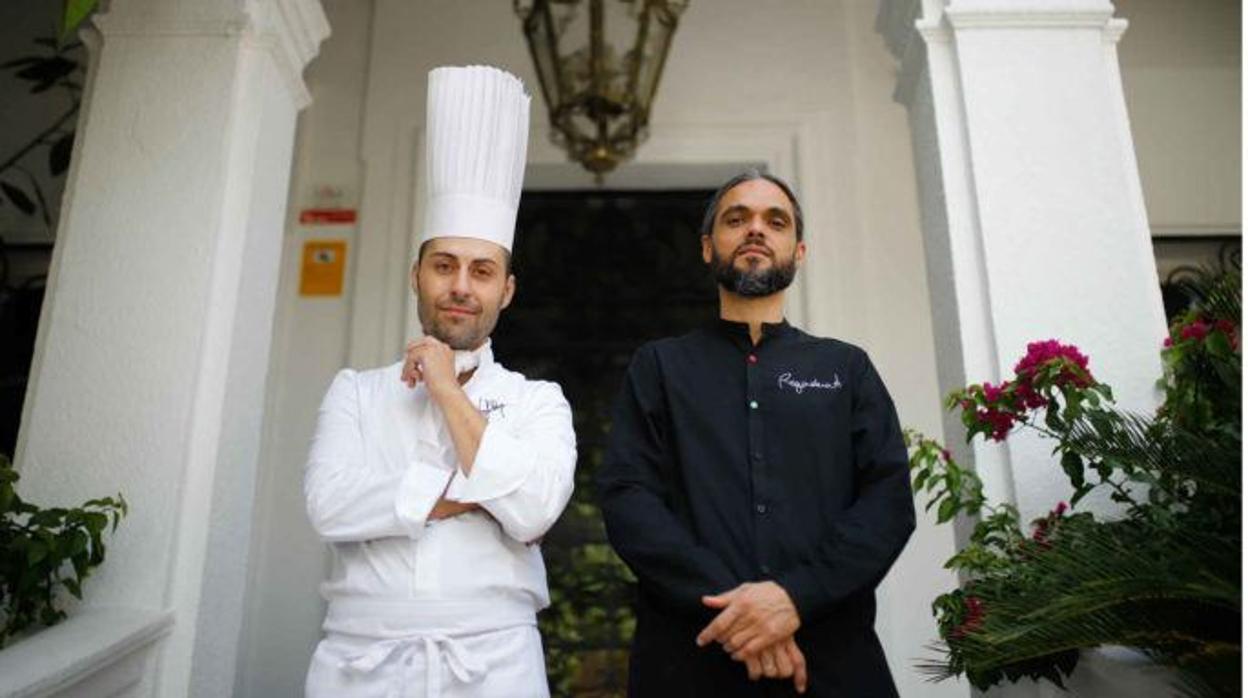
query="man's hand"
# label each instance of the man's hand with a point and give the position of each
(780, 661)
(445, 509)
(755, 615)
(431, 361)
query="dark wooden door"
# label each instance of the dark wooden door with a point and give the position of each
(598, 274)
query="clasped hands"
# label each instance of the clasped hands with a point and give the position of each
(756, 624)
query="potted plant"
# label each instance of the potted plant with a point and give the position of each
(44, 551)
(1162, 575)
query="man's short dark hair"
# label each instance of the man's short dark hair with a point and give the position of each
(507, 270)
(708, 219)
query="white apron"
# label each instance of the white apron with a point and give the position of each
(497, 664)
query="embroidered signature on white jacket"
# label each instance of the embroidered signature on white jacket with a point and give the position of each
(798, 385)
(488, 407)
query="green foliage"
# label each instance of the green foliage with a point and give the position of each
(590, 621)
(1163, 576)
(58, 65)
(45, 550)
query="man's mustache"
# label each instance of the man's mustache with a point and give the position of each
(463, 307)
(753, 247)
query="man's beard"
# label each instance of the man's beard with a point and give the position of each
(753, 282)
(462, 336)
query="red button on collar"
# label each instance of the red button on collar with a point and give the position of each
(752, 359)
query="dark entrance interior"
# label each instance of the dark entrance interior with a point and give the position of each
(598, 273)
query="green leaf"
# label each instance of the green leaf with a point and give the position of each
(80, 564)
(58, 154)
(73, 13)
(73, 586)
(47, 71)
(947, 510)
(24, 60)
(94, 521)
(1073, 409)
(1219, 345)
(36, 551)
(1079, 494)
(920, 479)
(1073, 465)
(19, 198)
(953, 480)
(77, 543)
(1052, 419)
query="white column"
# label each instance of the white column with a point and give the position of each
(1032, 212)
(153, 345)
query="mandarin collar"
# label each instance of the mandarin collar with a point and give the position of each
(732, 328)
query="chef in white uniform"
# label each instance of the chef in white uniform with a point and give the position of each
(434, 478)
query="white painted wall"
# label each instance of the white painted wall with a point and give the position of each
(284, 610)
(807, 88)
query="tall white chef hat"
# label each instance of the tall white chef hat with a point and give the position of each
(477, 136)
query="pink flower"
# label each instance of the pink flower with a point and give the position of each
(1197, 330)
(946, 455)
(973, 618)
(993, 393)
(1168, 343)
(999, 423)
(1061, 509)
(1028, 396)
(1040, 354)
(1229, 329)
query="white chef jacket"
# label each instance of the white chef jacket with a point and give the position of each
(381, 458)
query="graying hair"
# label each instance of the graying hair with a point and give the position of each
(708, 218)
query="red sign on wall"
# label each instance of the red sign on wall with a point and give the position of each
(327, 216)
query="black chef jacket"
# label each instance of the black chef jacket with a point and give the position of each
(731, 462)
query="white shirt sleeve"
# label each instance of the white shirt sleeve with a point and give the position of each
(523, 472)
(352, 497)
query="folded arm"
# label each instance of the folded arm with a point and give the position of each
(520, 471)
(350, 496)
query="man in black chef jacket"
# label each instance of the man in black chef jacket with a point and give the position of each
(756, 482)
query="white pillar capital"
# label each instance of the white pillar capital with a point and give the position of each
(291, 30)
(910, 26)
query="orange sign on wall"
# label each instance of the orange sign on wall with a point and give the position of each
(324, 268)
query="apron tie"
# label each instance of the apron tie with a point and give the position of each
(463, 665)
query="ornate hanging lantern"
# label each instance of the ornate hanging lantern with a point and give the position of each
(599, 96)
